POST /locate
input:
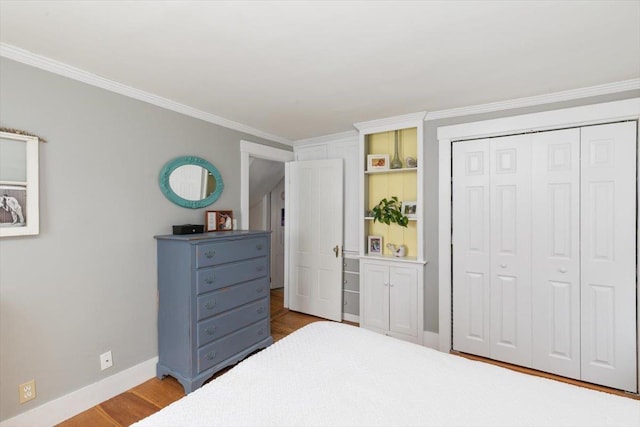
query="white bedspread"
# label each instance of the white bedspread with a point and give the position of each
(330, 374)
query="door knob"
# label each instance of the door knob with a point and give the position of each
(336, 250)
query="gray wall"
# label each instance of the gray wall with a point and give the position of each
(87, 283)
(431, 187)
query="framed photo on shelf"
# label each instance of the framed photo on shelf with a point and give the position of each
(409, 209)
(218, 220)
(375, 245)
(377, 162)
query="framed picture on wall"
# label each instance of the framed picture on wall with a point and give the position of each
(218, 220)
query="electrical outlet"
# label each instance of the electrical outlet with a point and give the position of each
(27, 391)
(106, 361)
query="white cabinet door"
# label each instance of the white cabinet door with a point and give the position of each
(555, 248)
(403, 300)
(510, 159)
(314, 228)
(608, 248)
(374, 291)
(471, 247)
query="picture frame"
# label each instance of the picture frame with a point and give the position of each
(374, 245)
(218, 221)
(410, 209)
(19, 185)
(377, 162)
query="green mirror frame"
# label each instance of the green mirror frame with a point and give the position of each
(168, 192)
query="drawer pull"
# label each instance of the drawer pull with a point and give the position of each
(344, 281)
(260, 310)
(211, 355)
(210, 304)
(209, 254)
(209, 280)
(260, 331)
(345, 302)
(259, 290)
(260, 268)
(211, 330)
(259, 247)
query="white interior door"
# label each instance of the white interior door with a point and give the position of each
(277, 235)
(314, 197)
(608, 247)
(555, 248)
(471, 247)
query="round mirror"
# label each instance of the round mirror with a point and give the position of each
(191, 182)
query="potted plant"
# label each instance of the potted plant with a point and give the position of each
(388, 211)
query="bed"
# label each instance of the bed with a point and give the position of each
(331, 374)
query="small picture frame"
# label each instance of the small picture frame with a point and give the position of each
(218, 221)
(377, 162)
(374, 245)
(410, 209)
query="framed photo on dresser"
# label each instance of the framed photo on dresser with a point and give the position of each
(218, 221)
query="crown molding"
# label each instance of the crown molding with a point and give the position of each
(29, 58)
(334, 137)
(391, 122)
(567, 95)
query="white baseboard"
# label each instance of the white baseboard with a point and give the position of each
(431, 340)
(62, 408)
(349, 318)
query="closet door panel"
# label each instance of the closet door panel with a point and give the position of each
(471, 247)
(510, 193)
(608, 247)
(555, 252)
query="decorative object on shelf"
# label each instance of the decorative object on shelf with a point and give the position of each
(397, 251)
(375, 245)
(191, 182)
(389, 211)
(377, 162)
(409, 208)
(219, 220)
(411, 162)
(396, 163)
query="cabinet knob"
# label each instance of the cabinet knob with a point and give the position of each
(391, 284)
(503, 265)
(210, 330)
(386, 284)
(260, 268)
(209, 254)
(210, 304)
(259, 290)
(209, 280)
(562, 270)
(211, 355)
(344, 281)
(260, 310)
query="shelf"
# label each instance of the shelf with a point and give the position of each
(370, 218)
(401, 170)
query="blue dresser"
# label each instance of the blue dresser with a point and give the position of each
(213, 306)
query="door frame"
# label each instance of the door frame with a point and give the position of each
(628, 109)
(247, 151)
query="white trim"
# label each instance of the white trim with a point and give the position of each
(60, 68)
(569, 117)
(62, 408)
(567, 95)
(348, 135)
(350, 317)
(431, 340)
(390, 123)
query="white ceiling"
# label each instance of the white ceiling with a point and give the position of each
(303, 69)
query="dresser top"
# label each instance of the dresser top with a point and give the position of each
(212, 235)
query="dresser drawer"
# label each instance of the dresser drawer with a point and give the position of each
(215, 253)
(220, 350)
(350, 264)
(351, 282)
(234, 296)
(213, 278)
(219, 326)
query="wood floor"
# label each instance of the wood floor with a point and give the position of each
(153, 395)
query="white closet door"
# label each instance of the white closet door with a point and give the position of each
(471, 247)
(555, 251)
(511, 249)
(608, 247)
